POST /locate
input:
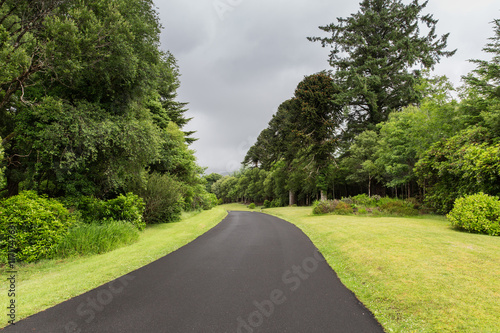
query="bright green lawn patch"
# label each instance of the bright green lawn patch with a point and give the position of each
(45, 284)
(414, 274)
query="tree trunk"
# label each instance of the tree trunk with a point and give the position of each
(324, 196)
(291, 196)
(369, 186)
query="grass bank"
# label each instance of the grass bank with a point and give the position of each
(47, 283)
(415, 274)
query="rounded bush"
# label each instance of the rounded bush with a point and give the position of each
(478, 213)
(324, 207)
(251, 206)
(31, 226)
(399, 207)
(163, 198)
(343, 208)
(129, 208)
(267, 204)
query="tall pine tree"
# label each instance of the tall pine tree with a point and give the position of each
(376, 54)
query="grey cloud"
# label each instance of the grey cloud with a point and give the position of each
(237, 70)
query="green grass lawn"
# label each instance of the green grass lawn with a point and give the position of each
(415, 274)
(45, 284)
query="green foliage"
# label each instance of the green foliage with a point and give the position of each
(364, 200)
(251, 206)
(373, 55)
(105, 111)
(127, 208)
(277, 203)
(267, 204)
(88, 239)
(361, 158)
(399, 207)
(465, 164)
(163, 199)
(343, 208)
(477, 213)
(2, 168)
(332, 206)
(324, 206)
(210, 180)
(31, 226)
(206, 200)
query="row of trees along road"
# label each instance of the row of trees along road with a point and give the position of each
(88, 100)
(378, 122)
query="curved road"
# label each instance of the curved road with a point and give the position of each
(251, 273)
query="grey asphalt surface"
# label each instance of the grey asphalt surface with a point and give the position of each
(251, 273)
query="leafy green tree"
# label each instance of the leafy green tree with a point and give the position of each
(210, 180)
(274, 142)
(375, 52)
(467, 163)
(2, 180)
(481, 99)
(361, 161)
(317, 122)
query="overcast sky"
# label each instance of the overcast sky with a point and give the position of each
(240, 59)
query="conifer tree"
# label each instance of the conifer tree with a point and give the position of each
(376, 54)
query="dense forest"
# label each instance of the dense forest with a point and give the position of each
(378, 122)
(89, 118)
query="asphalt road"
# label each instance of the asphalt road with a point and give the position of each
(251, 273)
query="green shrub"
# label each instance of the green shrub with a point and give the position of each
(362, 199)
(2, 180)
(33, 225)
(362, 211)
(128, 208)
(399, 207)
(478, 213)
(324, 207)
(267, 204)
(87, 239)
(251, 206)
(163, 198)
(220, 201)
(276, 203)
(343, 208)
(348, 201)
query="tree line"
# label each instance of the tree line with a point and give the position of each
(88, 103)
(378, 122)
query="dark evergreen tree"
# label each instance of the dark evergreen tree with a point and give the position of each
(376, 53)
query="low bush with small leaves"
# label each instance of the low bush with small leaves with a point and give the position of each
(399, 207)
(348, 200)
(343, 208)
(324, 207)
(267, 204)
(251, 206)
(362, 199)
(478, 213)
(31, 226)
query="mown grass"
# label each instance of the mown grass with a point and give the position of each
(47, 283)
(414, 274)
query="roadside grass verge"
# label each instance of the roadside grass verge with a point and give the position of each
(47, 283)
(414, 274)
